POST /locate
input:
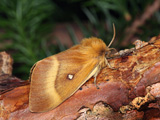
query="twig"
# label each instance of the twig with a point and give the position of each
(130, 31)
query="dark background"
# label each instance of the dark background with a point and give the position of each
(31, 30)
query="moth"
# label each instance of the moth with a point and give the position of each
(56, 78)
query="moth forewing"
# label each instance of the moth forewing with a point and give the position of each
(31, 71)
(44, 95)
(94, 73)
(42, 90)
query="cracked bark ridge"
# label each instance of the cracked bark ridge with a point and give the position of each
(129, 92)
(7, 81)
(6, 65)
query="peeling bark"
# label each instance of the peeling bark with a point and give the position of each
(130, 92)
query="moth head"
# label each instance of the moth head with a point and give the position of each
(94, 47)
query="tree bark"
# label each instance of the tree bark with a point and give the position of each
(129, 92)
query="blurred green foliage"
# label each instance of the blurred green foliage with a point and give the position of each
(26, 25)
(25, 30)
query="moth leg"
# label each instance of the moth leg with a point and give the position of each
(113, 49)
(109, 52)
(95, 80)
(109, 65)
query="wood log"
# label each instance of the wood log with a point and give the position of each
(130, 92)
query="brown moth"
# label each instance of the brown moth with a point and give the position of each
(56, 78)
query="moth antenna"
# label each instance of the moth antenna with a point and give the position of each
(113, 38)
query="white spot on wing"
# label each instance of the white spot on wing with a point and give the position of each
(70, 76)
